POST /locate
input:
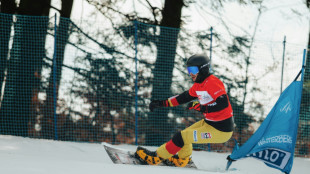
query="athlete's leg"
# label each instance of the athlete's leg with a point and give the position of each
(176, 144)
(204, 134)
(201, 133)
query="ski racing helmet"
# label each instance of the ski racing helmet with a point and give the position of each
(199, 63)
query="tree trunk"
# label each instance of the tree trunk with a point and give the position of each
(305, 102)
(62, 36)
(166, 49)
(9, 8)
(24, 67)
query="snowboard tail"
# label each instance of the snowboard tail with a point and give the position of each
(120, 156)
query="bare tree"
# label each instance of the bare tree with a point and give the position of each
(7, 7)
(24, 67)
(61, 37)
(164, 65)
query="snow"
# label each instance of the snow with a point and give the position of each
(37, 156)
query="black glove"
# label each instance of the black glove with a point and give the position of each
(156, 104)
(196, 106)
(193, 105)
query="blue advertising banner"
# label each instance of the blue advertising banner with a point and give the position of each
(274, 141)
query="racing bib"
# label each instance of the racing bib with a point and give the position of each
(204, 97)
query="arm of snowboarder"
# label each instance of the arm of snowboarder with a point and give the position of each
(172, 101)
(220, 103)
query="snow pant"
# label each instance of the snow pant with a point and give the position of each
(199, 133)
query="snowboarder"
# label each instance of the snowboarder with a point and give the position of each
(213, 103)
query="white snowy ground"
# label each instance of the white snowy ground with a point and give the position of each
(32, 156)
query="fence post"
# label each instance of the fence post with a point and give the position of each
(54, 79)
(283, 56)
(136, 82)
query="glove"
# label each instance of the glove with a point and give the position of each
(156, 104)
(194, 105)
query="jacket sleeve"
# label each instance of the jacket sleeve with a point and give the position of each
(220, 103)
(179, 99)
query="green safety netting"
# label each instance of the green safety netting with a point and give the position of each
(84, 82)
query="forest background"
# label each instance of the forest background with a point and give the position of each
(90, 74)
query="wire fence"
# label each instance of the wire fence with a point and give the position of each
(70, 82)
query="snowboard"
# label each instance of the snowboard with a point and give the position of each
(121, 156)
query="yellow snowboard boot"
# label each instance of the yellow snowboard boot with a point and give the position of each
(147, 157)
(176, 161)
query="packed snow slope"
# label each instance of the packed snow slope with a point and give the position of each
(33, 156)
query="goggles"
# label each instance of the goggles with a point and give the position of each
(192, 69)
